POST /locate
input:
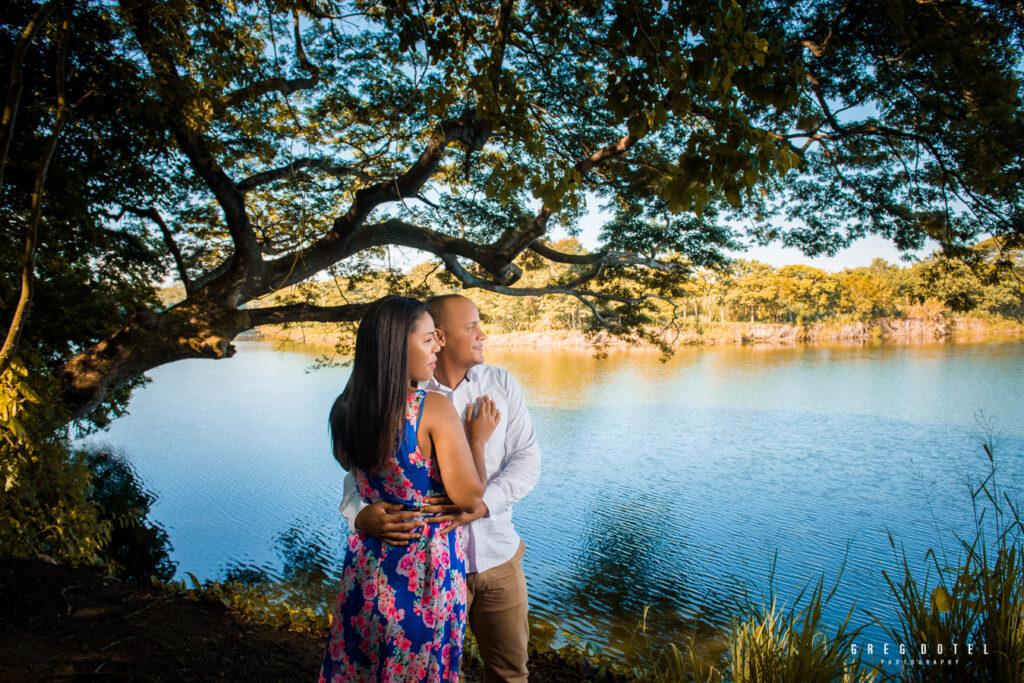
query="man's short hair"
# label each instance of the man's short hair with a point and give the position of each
(438, 306)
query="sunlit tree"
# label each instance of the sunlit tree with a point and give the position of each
(246, 148)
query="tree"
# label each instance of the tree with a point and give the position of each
(868, 293)
(757, 290)
(808, 292)
(251, 147)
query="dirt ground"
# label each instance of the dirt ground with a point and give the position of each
(60, 623)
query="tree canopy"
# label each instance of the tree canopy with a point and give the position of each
(248, 147)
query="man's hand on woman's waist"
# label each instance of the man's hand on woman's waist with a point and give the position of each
(390, 522)
(451, 515)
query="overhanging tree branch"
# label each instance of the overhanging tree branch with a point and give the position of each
(289, 170)
(231, 200)
(512, 242)
(344, 238)
(607, 258)
(294, 313)
(285, 86)
(468, 129)
(172, 246)
(469, 281)
(299, 266)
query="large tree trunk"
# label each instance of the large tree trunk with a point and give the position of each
(202, 326)
(147, 341)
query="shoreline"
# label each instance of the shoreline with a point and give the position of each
(894, 331)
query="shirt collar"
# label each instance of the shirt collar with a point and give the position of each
(471, 375)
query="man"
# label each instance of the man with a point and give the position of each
(496, 585)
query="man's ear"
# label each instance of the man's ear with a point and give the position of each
(439, 336)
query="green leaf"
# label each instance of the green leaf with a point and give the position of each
(732, 195)
(941, 601)
(15, 426)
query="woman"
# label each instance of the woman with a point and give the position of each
(401, 611)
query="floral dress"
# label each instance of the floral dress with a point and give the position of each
(401, 611)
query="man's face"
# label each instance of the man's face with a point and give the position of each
(461, 337)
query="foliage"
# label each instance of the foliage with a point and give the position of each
(70, 505)
(756, 292)
(246, 148)
(92, 274)
(742, 292)
(46, 507)
(978, 599)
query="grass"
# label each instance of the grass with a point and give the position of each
(775, 644)
(977, 599)
(766, 642)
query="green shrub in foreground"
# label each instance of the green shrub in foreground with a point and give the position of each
(46, 506)
(771, 644)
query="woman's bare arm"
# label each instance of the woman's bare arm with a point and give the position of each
(456, 460)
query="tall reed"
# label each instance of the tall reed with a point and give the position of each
(976, 601)
(771, 643)
(765, 643)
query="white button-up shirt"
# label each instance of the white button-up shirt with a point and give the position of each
(511, 457)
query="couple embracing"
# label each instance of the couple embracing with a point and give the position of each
(438, 447)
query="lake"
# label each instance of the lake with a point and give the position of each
(670, 485)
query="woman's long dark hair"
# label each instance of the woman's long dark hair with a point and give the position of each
(366, 419)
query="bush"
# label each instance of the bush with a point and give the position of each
(46, 507)
(79, 507)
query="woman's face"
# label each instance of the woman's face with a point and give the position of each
(423, 348)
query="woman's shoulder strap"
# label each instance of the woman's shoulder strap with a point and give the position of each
(416, 401)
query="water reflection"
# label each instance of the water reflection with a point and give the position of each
(628, 558)
(669, 485)
(307, 570)
(556, 379)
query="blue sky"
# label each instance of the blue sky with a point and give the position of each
(860, 253)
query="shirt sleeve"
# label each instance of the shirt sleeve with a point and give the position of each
(520, 468)
(351, 503)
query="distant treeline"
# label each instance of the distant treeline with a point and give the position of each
(746, 291)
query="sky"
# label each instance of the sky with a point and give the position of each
(860, 253)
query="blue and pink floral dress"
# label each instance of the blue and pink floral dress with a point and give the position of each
(401, 611)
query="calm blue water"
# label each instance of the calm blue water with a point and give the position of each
(670, 485)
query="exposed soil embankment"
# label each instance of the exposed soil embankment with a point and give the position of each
(895, 330)
(891, 330)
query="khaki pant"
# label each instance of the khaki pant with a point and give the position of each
(497, 604)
